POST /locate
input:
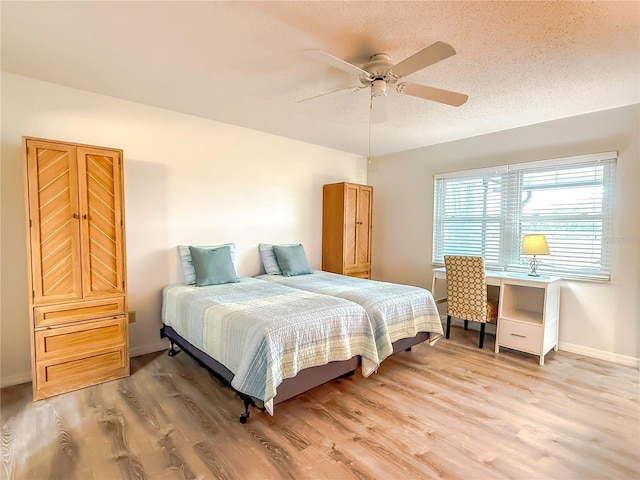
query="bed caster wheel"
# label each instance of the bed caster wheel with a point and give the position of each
(243, 418)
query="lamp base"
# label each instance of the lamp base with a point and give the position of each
(534, 267)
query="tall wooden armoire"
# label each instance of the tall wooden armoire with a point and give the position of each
(346, 229)
(77, 265)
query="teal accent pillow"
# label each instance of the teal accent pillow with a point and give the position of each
(292, 260)
(213, 267)
(268, 257)
(188, 272)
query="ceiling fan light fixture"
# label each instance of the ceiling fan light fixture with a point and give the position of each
(378, 88)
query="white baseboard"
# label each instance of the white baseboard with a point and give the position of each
(25, 377)
(599, 354)
(16, 379)
(149, 348)
(565, 347)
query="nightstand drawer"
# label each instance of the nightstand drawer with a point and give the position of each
(521, 336)
(80, 339)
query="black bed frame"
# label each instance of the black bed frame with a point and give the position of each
(290, 387)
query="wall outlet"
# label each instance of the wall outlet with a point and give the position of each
(132, 316)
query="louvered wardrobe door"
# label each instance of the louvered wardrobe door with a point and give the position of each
(101, 199)
(53, 222)
(350, 226)
(365, 208)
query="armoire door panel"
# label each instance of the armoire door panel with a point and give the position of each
(100, 170)
(101, 200)
(364, 227)
(102, 225)
(54, 222)
(351, 226)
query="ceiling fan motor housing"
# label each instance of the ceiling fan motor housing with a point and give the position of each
(378, 68)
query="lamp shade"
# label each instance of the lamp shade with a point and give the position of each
(535, 245)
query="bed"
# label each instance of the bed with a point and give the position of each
(210, 313)
(269, 341)
(402, 315)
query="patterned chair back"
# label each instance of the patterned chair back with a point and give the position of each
(467, 288)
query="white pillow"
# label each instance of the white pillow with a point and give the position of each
(188, 271)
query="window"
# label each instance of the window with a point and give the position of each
(487, 211)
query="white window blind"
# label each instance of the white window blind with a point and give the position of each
(486, 212)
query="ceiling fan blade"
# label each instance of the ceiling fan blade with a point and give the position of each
(425, 57)
(378, 109)
(434, 94)
(336, 62)
(348, 89)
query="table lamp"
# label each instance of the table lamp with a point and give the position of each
(534, 245)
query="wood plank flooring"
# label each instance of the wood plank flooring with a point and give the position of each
(450, 411)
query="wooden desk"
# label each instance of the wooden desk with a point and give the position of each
(528, 310)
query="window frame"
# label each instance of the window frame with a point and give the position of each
(512, 217)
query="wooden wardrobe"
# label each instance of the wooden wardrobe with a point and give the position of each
(346, 229)
(77, 265)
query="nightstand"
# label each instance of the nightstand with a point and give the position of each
(528, 315)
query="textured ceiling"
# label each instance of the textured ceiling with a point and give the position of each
(244, 63)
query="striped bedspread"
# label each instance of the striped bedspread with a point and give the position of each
(397, 311)
(264, 333)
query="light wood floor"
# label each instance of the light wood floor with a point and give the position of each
(450, 411)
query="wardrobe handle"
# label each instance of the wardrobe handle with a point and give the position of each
(84, 216)
(75, 215)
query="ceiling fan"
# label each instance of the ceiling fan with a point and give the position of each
(381, 72)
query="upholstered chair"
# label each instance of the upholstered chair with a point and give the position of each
(467, 293)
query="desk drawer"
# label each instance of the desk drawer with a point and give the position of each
(520, 336)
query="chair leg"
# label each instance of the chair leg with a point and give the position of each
(481, 342)
(466, 324)
(448, 326)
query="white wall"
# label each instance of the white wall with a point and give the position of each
(600, 319)
(187, 180)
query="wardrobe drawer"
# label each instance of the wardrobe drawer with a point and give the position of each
(77, 311)
(80, 339)
(359, 273)
(66, 374)
(521, 336)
